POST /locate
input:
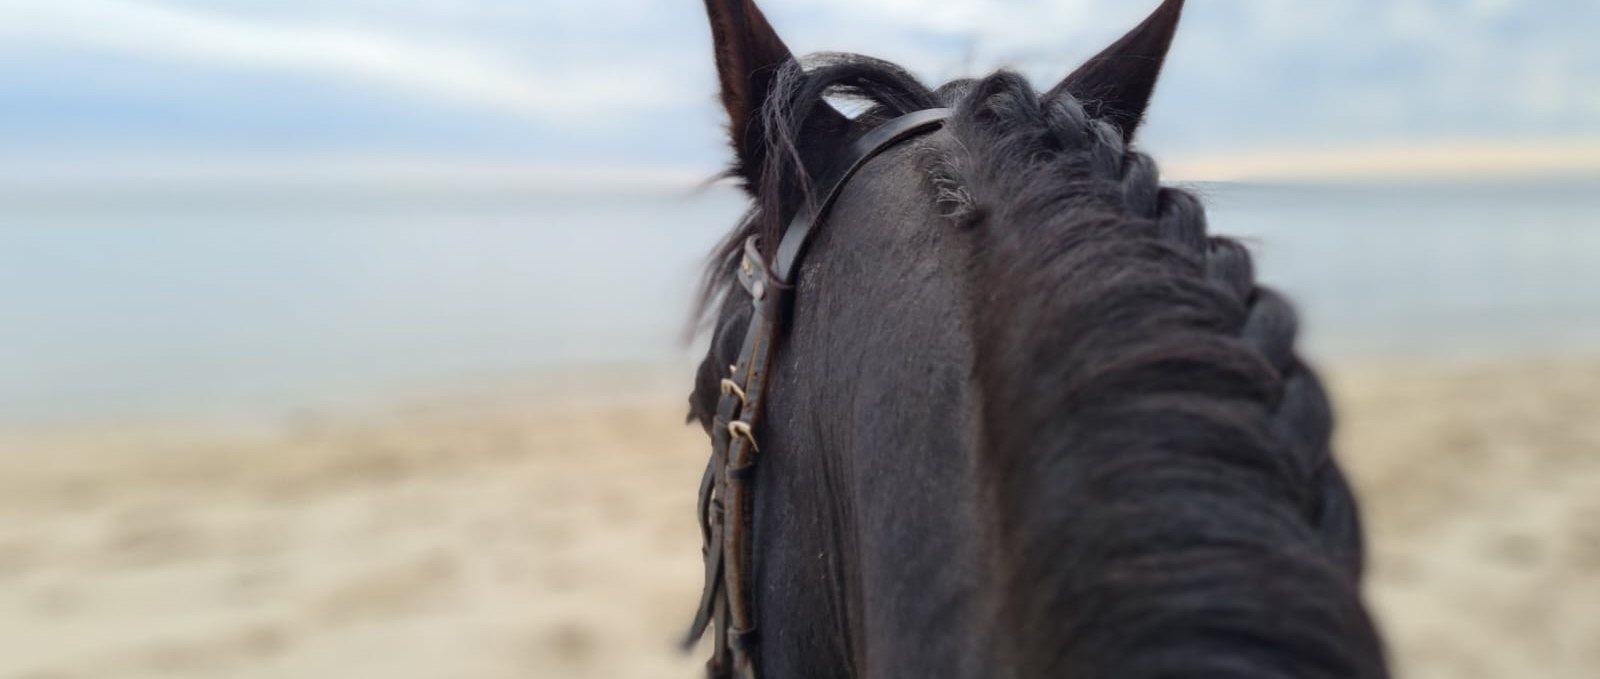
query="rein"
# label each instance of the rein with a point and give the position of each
(726, 488)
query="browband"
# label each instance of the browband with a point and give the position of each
(880, 139)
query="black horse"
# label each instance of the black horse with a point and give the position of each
(1028, 419)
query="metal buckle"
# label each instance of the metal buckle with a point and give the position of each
(742, 430)
(732, 388)
(753, 273)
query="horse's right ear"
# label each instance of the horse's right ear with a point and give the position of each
(1118, 82)
(749, 55)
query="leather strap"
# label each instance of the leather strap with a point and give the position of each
(880, 139)
(725, 489)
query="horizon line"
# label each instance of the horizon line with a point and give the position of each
(1446, 161)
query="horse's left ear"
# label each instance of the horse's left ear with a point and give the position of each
(1117, 83)
(749, 55)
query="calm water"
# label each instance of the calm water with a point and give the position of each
(135, 306)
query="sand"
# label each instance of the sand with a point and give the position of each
(511, 539)
(1481, 490)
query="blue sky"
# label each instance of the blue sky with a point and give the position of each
(606, 84)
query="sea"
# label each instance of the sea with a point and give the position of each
(124, 305)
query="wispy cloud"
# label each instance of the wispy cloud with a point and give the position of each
(332, 174)
(619, 82)
(455, 72)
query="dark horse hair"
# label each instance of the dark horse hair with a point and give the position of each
(1155, 486)
(782, 183)
(1146, 418)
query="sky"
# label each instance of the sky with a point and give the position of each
(600, 89)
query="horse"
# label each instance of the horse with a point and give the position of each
(1020, 413)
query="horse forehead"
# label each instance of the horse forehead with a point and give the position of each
(889, 216)
(897, 179)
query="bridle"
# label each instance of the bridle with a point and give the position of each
(725, 490)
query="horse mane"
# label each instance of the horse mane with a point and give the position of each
(1156, 456)
(1160, 494)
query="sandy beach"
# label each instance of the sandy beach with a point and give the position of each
(514, 538)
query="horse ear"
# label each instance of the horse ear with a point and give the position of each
(1117, 83)
(749, 55)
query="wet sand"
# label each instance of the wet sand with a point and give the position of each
(510, 539)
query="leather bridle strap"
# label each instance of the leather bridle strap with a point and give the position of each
(725, 490)
(880, 139)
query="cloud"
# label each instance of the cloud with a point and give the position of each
(1012, 25)
(185, 174)
(631, 81)
(450, 71)
(949, 38)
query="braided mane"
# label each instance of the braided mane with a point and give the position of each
(1156, 455)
